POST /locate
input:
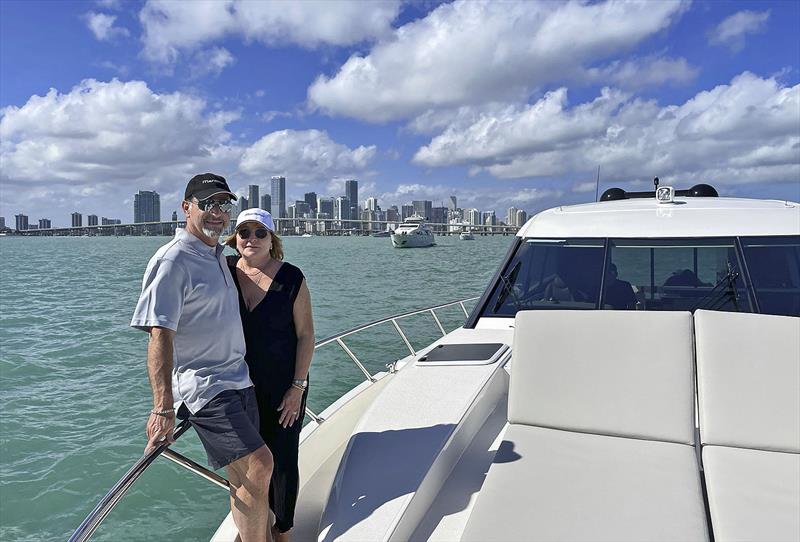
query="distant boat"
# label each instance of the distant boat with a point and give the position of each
(386, 233)
(306, 235)
(413, 233)
(466, 235)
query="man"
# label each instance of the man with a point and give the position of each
(619, 293)
(195, 357)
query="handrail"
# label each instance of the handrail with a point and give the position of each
(89, 525)
(107, 503)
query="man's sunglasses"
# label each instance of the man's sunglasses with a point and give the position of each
(207, 204)
(244, 233)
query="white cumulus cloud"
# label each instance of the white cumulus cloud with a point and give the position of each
(304, 156)
(742, 132)
(211, 61)
(102, 26)
(733, 30)
(470, 52)
(171, 27)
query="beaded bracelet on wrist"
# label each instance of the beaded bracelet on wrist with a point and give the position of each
(166, 413)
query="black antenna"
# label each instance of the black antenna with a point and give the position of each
(655, 182)
(597, 185)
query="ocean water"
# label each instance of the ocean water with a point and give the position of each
(74, 395)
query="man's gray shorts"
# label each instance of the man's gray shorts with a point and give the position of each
(227, 426)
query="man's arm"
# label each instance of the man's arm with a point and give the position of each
(159, 370)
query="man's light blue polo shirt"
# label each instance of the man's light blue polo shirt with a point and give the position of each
(188, 288)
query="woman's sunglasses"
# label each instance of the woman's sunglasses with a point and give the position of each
(244, 233)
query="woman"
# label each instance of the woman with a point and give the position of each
(275, 307)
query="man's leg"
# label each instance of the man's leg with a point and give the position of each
(249, 478)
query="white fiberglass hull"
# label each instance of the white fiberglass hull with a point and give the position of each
(412, 240)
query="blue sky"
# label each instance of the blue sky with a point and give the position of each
(500, 103)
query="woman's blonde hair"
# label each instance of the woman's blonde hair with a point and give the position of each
(275, 251)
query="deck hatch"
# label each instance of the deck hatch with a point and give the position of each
(463, 354)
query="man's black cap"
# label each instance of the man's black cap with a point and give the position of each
(206, 185)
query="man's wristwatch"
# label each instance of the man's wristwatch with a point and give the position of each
(300, 384)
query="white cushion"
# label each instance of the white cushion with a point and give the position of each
(753, 495)
(553, 485)
(748, 369)
(625, 373)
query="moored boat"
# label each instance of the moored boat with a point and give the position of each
(413, 233)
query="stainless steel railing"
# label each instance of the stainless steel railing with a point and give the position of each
(89, 525)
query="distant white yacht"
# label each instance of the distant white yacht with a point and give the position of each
(413, 233)
(466, 235)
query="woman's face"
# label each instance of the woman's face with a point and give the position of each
(248, 240)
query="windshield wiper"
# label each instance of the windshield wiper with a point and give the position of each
(722, 292)
(508, 288)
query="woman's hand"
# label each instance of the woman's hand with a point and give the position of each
(290, 407)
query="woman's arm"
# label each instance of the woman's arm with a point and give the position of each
(304, 327)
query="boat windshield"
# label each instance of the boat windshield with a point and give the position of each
(650, 274)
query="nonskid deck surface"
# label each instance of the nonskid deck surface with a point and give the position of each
(427, 498)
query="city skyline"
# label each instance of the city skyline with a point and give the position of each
(516, 103)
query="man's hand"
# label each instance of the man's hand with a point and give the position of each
(159, 429)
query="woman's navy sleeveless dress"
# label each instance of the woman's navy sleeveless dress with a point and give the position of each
(271, 341)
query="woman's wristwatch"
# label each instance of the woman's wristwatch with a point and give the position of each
(300, 384)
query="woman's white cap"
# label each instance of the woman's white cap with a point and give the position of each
(256, 215)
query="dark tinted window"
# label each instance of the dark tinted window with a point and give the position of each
(679, 274)
(550, 274)
(774, 266)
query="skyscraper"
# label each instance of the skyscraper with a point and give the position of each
(351, 193)
(252, 195)
(146, 207)
(278, 207)
(406, 211)
(2, 222)
(453, 204)
(521, 218)
(311, 199)
(91, 220)
(511, 216)
(371, 204)
(45, 224)
(324, 207)
(266, 203)
(21, 222)
(423, 208)
(77, 220)
(341, 210)
(174, 216)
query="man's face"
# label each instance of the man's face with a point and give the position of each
(207, 224)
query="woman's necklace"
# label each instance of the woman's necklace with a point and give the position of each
(257, 272)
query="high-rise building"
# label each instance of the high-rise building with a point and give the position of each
(423, 208)
(109, 221)
(266, 203)
(2, 222)
(21, 222)
(406, 211)
(473, 216)
(489, 218)
(91, 220)
(325, 206)
(252, 195)
(278, 206)
(371, 204)
(453, 203)
(45, 224)
(511, 216)
(174, 216)
(341, 210)
(311, 199)
(438, 216)
(351, 191)
(521, 218)
(77, 220)
(146, 207)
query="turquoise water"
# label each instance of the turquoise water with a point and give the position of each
(74, 395)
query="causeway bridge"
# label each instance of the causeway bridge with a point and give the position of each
(284, 226)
